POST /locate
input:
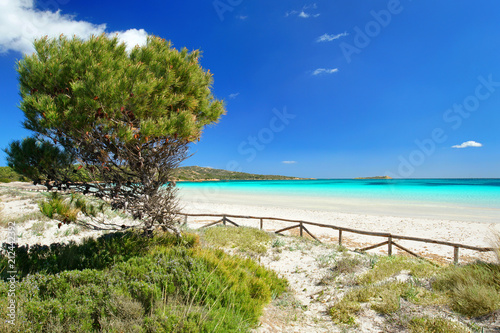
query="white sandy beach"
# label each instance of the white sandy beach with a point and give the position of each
(298, 261)
(376, 217)
(463, 225)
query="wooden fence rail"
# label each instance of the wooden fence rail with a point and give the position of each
(301, 225)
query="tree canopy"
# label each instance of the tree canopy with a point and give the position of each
(38, 160)
(127, 117)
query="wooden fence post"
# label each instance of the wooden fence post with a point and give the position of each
(455, 255)
(301, 230)
(340, 237)
(389, 246)
(224, 219)
(261, 223)
(185, 219)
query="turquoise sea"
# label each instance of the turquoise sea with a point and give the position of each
(457, 192)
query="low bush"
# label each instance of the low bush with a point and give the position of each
(124, 282)
(90, 253)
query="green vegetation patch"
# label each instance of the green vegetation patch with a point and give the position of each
(129, 283)
(66, 208)
(8, 175)
(473, 290)
(435, 325)
(92, 253)
(388, 266)
(250, 240)
(383, 298)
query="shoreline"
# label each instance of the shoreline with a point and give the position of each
(351, 205)
(473, 233)
(388, 220)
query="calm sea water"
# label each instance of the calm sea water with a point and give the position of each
(462, 192)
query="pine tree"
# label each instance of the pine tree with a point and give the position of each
(40, 161)
(128, 117)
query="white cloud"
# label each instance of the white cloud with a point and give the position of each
(242, 17)
(329, 38)
(21, 23)
(468, 144)
(302, 13)
(325, 71)
(131, 37)
(289, 162)
(233, 96)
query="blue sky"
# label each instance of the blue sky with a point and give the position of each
(324, 89)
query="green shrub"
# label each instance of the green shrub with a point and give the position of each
(348, 264)
(158, 284)
(91, 253)
(344, 312)
(473, 289)
(8, 175)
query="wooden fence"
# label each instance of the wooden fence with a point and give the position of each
(302, 227)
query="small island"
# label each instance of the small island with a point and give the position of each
(376, 177)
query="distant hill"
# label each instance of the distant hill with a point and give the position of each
(200, 173)
(376, 177)
(183, 173)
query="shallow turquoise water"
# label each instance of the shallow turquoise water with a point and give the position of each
(462, 192)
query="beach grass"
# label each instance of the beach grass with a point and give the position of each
(247, 240)
(427, 324)
(23, 218)
(388, 266)
(471, 290)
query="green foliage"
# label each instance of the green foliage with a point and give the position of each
(91, 253)
(8, 175)
(384, 298)
(435, 325)
(158, 284)
(59, 208)
(66, 209)
(251, 240)
(388, 266)
(127, 117)
(473, 289)
(384, 295)
(345, 311)
(72, 86)
(348, 264)
(38, 160)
